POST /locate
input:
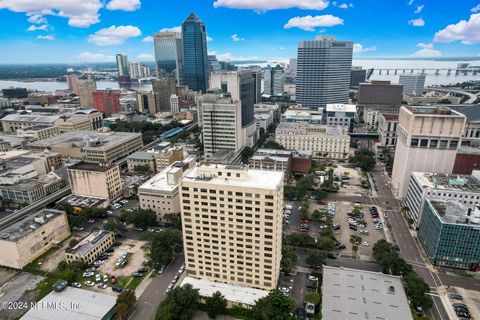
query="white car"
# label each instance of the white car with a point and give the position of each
(169, 288)
(98, 278)
(88, 274)
(89, 283)
(365, 243)
(105, 278)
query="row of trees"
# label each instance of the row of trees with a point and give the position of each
(415, 288)
(163, 246)
(150, 131)
(182, 303)
(364, 159)
(140, 218)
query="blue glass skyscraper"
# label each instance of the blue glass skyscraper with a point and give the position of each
(195, 58)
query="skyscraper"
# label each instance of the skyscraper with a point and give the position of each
(163, 89)
(122, 65)
(72, 81)
(195, 58)
(138, 70)
(273, 80)
(323, 71)
(169, 55)
(413, 84)
(86, 88)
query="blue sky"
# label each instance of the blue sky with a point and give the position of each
(41, 31)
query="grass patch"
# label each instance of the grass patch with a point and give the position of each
(128, 282)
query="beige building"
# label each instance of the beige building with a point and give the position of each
(95, 117)
(427, 141)
(91, 247)
(141, 158)
(331, 142)
(232, 225)
(96, 181)
(160, 193)
(92, 146)
(146, 103)
(39, 131)
(73, 124)
(27, 239)
(167, 156)
(12, 122)
(86, 88)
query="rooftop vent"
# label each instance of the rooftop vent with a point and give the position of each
(391, 289)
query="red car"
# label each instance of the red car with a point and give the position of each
(322, 202)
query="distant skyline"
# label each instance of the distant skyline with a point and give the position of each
(71, 31)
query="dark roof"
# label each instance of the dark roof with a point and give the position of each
(193, 18)
(471, 112)
(89, 167)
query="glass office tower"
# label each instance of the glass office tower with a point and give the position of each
(168, 55)
(195, 58)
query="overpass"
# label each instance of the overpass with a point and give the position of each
(34, 206)
(471, 96)
(364, 136)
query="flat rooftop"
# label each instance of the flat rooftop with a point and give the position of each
(142, 155)
(28, 224)
(89, 242)
(341, 107)
(274, 152)
(231, 292)
(433, 111)
(37, 127)
(88, 140)
(94, 305)
(453, 212)
(351, 294)
(159, 181)
(84, 166)
(30, 118)
(310, 129)
(467, 183)
(249, 178)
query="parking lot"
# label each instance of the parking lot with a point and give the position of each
(466, 301)
(136, 257)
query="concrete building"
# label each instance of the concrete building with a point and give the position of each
(107, 101)
(138, 71)
(163, 89)
(352, 294)
(449, 233)
(95, 117)
(174, 108)
(146, 103)
(464, 189)
(301, 114)
(90, 247)
(257, 80)
(161, 192)
(94, 305)
(239, 212)
(5, 102)
(274, 160)
(96, 181)
(378, 93)
(342, 115)
(292, 67)
(39, 131)
(72, 82)
(15, 93)
(41, 99)
(263, 121)
(122, 64)
(323, 71)
(12, 122)
(141, 158)
(86, 88)
(222, 125)
(471, 135)
(387, 129)
(357, 75)
(91, 146)
(273, 109)
(166, 154)
(467, 159)
(331, 142)
(427, 140)
(25, 240)
(413, 84)
(73, 124)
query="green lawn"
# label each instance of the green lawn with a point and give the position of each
(129, 282)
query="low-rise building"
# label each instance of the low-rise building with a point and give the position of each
(263, 121)
(23, 241)
(90, 247)
(143, 159)
(343, 115)
(160, 193)
(331, 142)
(73, 124)
(93, 115)
(12, 122)
(467, 159)
(299, 114)
(273, 109)
(91, 146)
(95, 180)
(39, 131)
(437, 186)
(352, 294)
(166, 154)
(271, 159)
(387, 129)
(449, 233)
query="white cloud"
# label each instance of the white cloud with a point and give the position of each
(209, 39)
(343, 6)
(358, 48)
(46, 37)
(236, 38)
(80, 13)
(309, 23)
(419, 8)
(468, 32)
(410, 2)
(124, 5)
(417, 22)
(265, 5)
(173, 29)
(42, 27)
(145, 57)
(476, 8)
(427, 51)
(147, 39)
(114, 35)
(95, 57)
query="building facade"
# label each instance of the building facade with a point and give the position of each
(323, 71)
(380, 93)
(330, 142)
(357, 75)
(427, 140)
(342, 115)
(163, 89)
(12, 122)
(90, 247)
(169, 55)
(271, 159)
(195, 58)
(122, 64)
(142, 159)
(273, 80)
(413, 84)
(107, 101)
(86, 88)
(39, 132)
(387, 129)
(239, 213)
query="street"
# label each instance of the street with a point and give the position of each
(154, 293)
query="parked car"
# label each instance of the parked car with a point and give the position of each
(336, 226)
(77, 285)
(331, 256)
(117, 289)
(161, 270)
(78, 228)
(456, 296)
(137, 274)
(88, 274)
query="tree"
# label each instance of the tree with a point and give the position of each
(114, 226)
(164, 245)
(317, 215)
(315, 259)
(312, 297)
(247, 153)
(289, 257)
(273, 145)
(125, 300)
(141, 168)
(215, 305)
(364, 159)
(140, 218)
(300, 240)
(174, 220)
(180, 304)
(275, 306)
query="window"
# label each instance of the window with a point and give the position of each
(414, 142)
(443, 144)
(423, 142)
(433, 143)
